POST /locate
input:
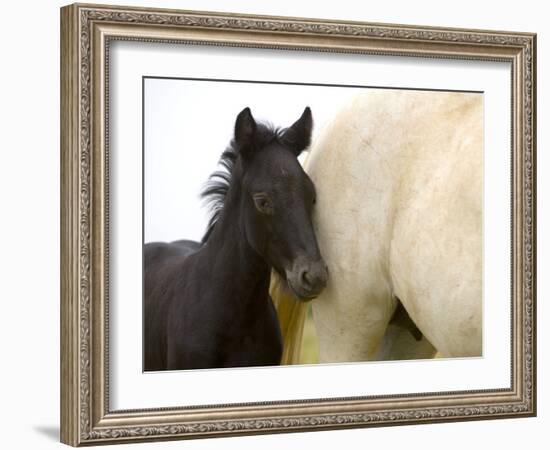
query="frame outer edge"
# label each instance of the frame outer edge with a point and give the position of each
(535, 71)
(533, 136)
(69, 185)
(82, 411)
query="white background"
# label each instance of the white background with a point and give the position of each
(188, 123)
(29, 180)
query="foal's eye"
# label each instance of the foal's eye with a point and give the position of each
(263, 203)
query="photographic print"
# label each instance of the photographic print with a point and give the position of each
(341, 222)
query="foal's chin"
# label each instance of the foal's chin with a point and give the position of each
(301, 295)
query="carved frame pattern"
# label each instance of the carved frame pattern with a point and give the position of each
(86, 33)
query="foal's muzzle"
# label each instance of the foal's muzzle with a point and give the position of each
(307, 278)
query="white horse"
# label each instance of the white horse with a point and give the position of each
(398, 176)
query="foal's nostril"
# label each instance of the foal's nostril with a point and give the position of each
(313, 279)
(306, 279)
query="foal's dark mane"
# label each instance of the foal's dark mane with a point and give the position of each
(217, 186)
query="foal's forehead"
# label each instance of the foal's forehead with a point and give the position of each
(277, 168)
(278, 161)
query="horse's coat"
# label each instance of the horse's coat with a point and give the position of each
(207, 305)
(399, 183)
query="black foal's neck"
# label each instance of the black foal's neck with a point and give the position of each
(244, 270)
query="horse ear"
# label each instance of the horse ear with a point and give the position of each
(245, 129)
(298, 136)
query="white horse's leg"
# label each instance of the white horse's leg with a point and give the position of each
(350, 218)
(351, 321)
(352, 313)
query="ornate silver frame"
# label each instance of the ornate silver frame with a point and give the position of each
(86, 31)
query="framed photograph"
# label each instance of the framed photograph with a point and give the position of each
(276, 224)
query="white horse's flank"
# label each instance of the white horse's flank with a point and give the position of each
(399, 214)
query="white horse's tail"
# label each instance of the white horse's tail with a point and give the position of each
(292, 315)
